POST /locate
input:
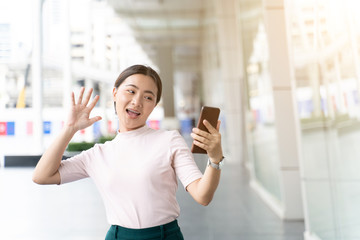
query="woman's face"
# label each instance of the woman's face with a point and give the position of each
(135, 99)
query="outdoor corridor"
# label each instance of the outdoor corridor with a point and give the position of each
(75, 211)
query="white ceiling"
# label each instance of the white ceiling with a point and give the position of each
(157, 23)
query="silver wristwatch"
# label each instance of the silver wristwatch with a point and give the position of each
(216, 166)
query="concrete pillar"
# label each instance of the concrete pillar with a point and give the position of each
(313, 73)
(104, 97)
(286, 115)
(37, 85)
(165, 63)
(231, 67)
(89, 83)
(88, 36)
(67, 78)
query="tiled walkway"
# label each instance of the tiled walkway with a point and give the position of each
(75, 211)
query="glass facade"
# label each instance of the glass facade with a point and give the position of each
(324, 38)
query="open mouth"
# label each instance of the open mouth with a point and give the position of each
(132, 112)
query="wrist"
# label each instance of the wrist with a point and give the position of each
(216, 160)
(69, 130)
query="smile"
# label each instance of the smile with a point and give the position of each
(132, 112)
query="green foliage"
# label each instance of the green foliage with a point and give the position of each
(104, 139)
(79, 146)
(82, 146)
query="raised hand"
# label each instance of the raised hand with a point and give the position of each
(211, 141)
(80, 111)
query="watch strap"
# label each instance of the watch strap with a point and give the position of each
(217, 166)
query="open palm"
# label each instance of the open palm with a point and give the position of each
(79, 116)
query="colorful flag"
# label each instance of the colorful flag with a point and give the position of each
(47, 127)
(2, 128)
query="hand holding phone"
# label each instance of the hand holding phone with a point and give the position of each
(211, 114)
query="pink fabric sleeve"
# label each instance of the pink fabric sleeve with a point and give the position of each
(74, 168)
(183, 161)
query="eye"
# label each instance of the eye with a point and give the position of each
(131, 91)
(148, 98)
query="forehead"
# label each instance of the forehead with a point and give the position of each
(141, 81)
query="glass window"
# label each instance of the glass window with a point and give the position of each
(325, 37)
(261, 133)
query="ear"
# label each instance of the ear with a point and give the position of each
(114, 94)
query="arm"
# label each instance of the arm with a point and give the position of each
(203, 189)
(46, 171)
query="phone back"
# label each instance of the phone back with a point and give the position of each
(211, 114)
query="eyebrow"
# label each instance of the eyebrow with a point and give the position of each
(147, 91)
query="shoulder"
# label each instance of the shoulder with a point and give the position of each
(168, 138)
(98, 148)
(176, 140)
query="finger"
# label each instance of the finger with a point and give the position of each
(201, 145)
(81, 95)
(73, 98)
(201, 132)
(87, 97)
(218, 125)
(94, 101)
(94, 119)
(209, 126)
(199, 138)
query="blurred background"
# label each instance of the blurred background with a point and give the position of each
(285, 73)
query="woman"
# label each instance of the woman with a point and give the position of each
(136, 173)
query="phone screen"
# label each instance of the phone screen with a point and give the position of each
(211, 114)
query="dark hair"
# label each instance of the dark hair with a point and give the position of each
(144, 70)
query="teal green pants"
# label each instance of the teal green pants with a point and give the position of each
(169, 231)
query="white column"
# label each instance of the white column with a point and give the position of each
(67, 78)
(286, 116)
(165, 63)
(105, 92)
(313, 73)
(37, 87)
(88, 43)
(89, 135)
(231, 66)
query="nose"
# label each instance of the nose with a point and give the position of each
(137, 101)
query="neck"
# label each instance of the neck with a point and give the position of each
(125, 129)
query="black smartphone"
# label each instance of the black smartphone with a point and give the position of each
(211, 114)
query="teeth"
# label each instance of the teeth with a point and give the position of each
(129, 110)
